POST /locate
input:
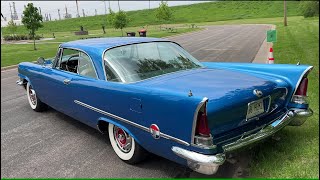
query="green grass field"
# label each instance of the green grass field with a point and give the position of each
(194, 13)
(297, 154)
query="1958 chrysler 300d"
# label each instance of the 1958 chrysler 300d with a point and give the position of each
(150, 95)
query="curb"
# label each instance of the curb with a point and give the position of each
(9, 67)
(262, 54)
(186, 33)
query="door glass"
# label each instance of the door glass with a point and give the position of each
(85, 67)
(69, 60)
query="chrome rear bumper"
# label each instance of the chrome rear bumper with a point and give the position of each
(205, 164)
(209, 164)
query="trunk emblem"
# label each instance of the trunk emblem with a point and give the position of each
(257, 93)
(155, 131)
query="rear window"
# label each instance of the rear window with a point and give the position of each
(137, 62)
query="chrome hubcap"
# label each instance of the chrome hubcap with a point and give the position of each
(33, 96)
(124, 140)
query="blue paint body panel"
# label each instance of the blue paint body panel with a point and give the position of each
(164, 100)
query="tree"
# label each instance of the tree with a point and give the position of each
(285, 22)
(110, 17)
(309, 8)
(120, 20)
(32, 20)
(164, 12)
(12, 27)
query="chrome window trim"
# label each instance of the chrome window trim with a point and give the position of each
(300, 79)
(80, 50)
(54, 64)
(259, 115)
(204, 100)
(166, 136)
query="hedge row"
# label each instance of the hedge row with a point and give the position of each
(20, 37)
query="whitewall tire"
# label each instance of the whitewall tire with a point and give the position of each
(33, 100)
(125, 146)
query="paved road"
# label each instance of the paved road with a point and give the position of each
(229, 43)
(50, 144)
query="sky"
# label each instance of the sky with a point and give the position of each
(88, 6)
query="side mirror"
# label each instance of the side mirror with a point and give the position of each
(41, 61)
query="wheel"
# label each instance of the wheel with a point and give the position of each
(34, 101)
(125, 146)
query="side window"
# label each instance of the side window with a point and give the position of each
(85, 67)
(68, 60)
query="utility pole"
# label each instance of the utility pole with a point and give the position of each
(119, 5)
(285, 13)
(40, 11)
(105, 7)
(95, 12)
(66, 10)
(11, 12)
(1, 26)
(15, 14)
(109, 5)
(50, 16)
(59, 14)
(78, 15)
(149, 4)
(84, 15)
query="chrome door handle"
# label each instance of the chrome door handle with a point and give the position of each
(66, 81)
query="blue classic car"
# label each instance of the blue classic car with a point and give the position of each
(151, 96)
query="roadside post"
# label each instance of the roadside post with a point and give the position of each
(271, 38)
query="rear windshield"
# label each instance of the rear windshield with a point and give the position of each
(137, 62)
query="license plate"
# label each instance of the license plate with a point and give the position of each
(255, 108)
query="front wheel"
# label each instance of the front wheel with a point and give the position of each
(125, 146)
(33, 100)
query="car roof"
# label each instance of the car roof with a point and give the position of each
(95, 47)
(101, 44)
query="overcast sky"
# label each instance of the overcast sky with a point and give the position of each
(88, 6)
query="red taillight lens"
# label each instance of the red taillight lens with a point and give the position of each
(202, 125)
(303, 87)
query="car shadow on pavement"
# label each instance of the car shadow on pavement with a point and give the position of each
(236, 164)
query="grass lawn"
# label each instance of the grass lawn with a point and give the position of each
(188, 14)
(297, 154)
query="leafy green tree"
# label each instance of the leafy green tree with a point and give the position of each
(110, 17)
(120, 20)
(309, 8)
(12, 27)
(164, 13)
(32, 20)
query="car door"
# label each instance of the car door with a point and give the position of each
(85, 88)
(57, 81)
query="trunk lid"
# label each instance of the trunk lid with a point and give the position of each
(229, 93)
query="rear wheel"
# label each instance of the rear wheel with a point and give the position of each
(125, 146)
(33, 100)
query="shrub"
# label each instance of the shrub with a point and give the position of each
(309, 8)
(18, 37)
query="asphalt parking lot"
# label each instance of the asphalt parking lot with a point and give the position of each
(50, 144)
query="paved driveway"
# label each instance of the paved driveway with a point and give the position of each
(50, 144)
